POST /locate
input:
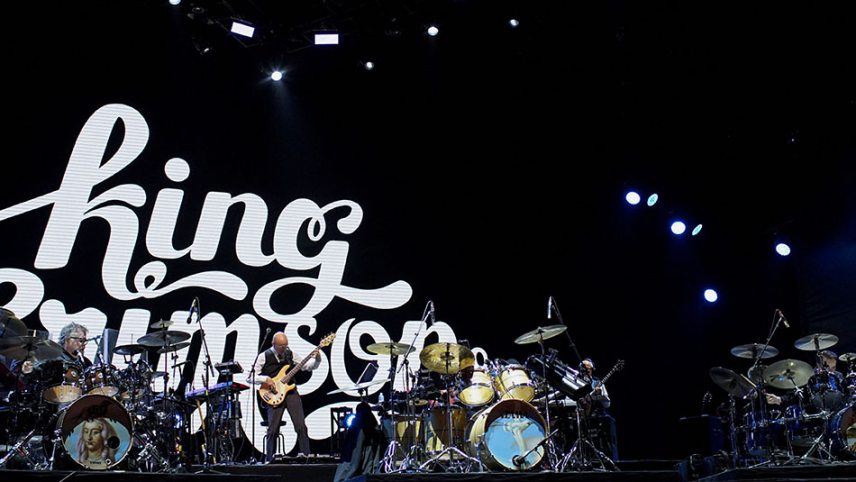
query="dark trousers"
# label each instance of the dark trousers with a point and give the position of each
(294, 405)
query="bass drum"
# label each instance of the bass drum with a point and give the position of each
(842, 430)
(510, 428)
(96, 432)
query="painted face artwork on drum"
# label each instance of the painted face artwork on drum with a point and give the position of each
(96, 432)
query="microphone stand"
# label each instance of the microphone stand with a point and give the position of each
(208, 432)
(255, 394)
(555, 307)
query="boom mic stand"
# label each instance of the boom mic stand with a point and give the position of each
(208, 432)
(254, 395)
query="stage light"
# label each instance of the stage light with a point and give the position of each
(244, 29)
(175, 2)
(433, 31)
(710, 295)
(632, 198)
(276, 75)
(326, 39)
(349, 419)
(678, 227)
(696, 229)
(514, 23)
(783, 249)
(369, 65)
(652, 199)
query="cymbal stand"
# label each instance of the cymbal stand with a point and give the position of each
(577, 457)
(552, 458)
(466, 461)
(387, 463)
(210, 429)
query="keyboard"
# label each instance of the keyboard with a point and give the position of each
(216, 390)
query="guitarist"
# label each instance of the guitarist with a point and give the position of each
(269, 364)
(595, 415)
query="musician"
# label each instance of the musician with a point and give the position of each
(598, 399)
(825, 386)
(595, 406)
(268, 364)
(72, 338)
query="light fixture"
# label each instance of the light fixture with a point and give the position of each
(329, 38)
(243, 28)
(433, 31)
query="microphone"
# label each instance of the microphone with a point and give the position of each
(782, 317)
(549, 307)
(193, 307)
(431, 312)
(93, 338)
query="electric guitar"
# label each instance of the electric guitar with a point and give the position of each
(281, 381)
(619, 365)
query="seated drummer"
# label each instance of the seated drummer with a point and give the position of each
(72, 338)
(825, 386)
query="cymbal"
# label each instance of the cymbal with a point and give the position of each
(788, 374)
(540, 334)
(161, 324)
(161, 338)
(446, 358)
(816, 341)
(752, 349)
(35, 349)
(847, 357)
(176, 347)
(131, 349)
(359, 386)
(10, 325)
(388, 348)
(731, 382)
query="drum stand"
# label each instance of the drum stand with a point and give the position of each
(466, 462)
(578, 458)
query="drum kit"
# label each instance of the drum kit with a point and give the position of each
(462, 417)
(64, 415)
(812, 421)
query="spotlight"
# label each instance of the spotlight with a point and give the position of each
(326, 39)
(514, 23)
(433, 31)
(276, 75)
(174, 2)
(783, 249)
(632, 198)
(678, 227)
(349, 419)
(710, 295)
(652, 199)
(696, 229)
(243, 29)
(368, 65)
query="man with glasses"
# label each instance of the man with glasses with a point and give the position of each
(72, 338)
(268, 364)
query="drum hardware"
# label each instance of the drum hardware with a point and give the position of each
(161, 324)
(448, 359)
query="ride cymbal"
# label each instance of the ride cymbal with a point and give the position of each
(161, 338)
(751, 351)
(446, 358)
(388, 348)
(131, 349)
(788, 374)
(540, 334)
(816, 342)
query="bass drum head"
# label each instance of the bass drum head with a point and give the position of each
(505, 430)
(96, 432)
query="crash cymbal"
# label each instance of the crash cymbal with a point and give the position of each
(161, 338)
(788, 374)
(446, 358)
(132, 349)
(540, 334)
(847, 357)
(10, 325)
(816, 342)
(35, 349)
(388, 348)
(158, 325)
(731, 382)
(359, 386)
(751, 351)
(176, 347)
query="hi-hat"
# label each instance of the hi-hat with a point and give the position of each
(161, 338)
(35, 349)
(176, 347)
(446, 358)
(540, 334)
(733, 383)
(816, 341)
(388, 348)
(132, 349)
(847, 357)
(359, 386)
(787, 374)
(752, 350)
(161, 324)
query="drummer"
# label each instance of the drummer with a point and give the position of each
(72, 338)
(827, 383)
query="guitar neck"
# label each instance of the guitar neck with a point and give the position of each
(297, 367)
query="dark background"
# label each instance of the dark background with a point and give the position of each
(491, 164)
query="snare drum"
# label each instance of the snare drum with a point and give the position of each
(479, 390)
(513, 382)
(63, 381)
(96, 432)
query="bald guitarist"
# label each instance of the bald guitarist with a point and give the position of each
(269, 364)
